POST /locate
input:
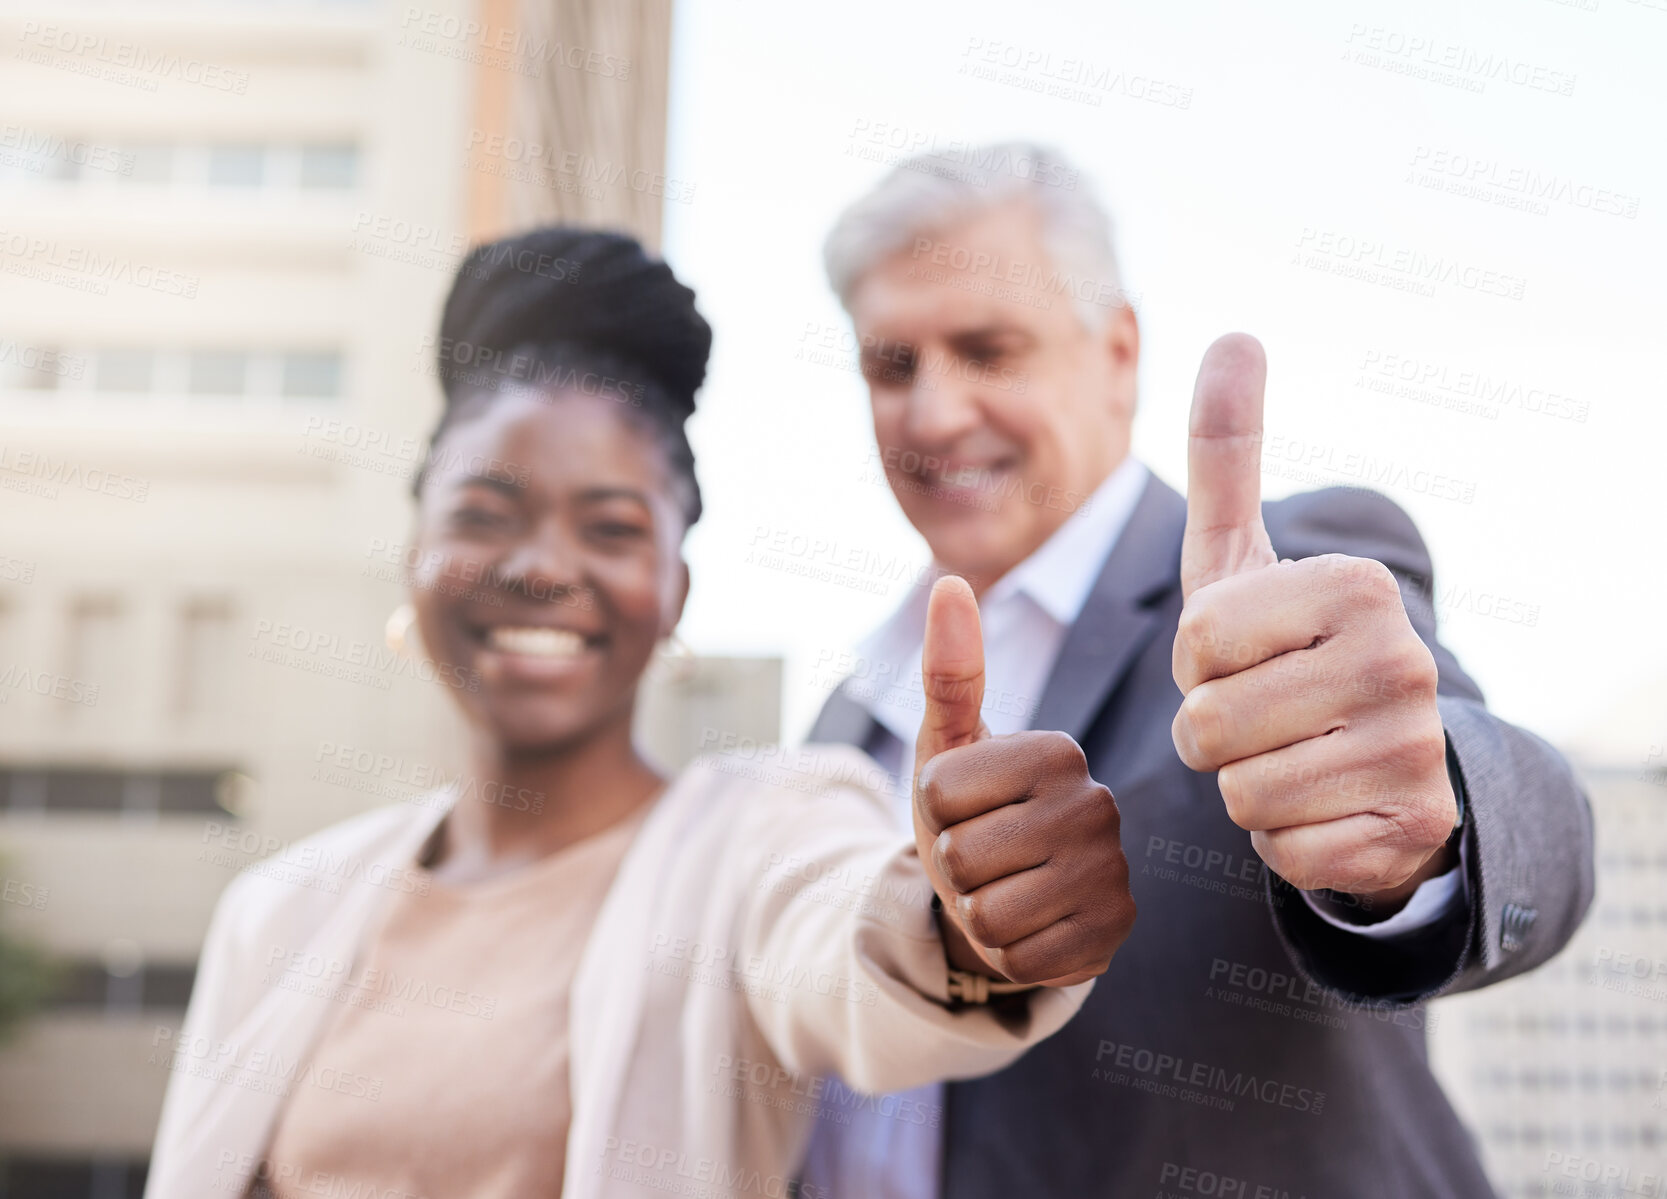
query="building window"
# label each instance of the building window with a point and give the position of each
(236, 166)
(147, 986)
(72, 1177)
(77, 159)
(206, 647)
(67, 790)
(147, 162)
(218, 372)
(124, 370)
(309, 373)
(98, 649)
(314, 376)
(329, 166)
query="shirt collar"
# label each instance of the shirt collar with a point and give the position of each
(1058, 576)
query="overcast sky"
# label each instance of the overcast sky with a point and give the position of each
(1250, 156)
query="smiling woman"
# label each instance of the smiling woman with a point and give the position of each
(560, 475)
(584, 993)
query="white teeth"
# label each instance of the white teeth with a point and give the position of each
(541, 643)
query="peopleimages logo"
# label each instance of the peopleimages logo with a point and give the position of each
(1423, 56)
(823, 1096)
(401, 455)
(34, 147)
(673, 1170)
(458, 362)
(51, 261)
(1079, 79)
(349, 659)
(1023, 272)
(119, 55)
(42, 360)
(1199, 1082)
(1487, 174)
(570, 170)
(430, 24)
(28, 895)
(45, 682)
(263, 854)
(926, 151)
(340, 979)
(1412, 269)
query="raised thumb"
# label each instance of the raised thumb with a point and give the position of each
(1224, 533)
(952, 671)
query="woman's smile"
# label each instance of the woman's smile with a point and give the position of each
(534, 653)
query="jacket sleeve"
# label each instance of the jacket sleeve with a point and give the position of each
(1528, 825)
(227, 984)
(842, 954)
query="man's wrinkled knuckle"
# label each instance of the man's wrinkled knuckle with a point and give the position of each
(1408, 661)
(1236, 793)
(1394, 670)
(1305, 875)
(1290, 867)
(1379, 673)
(1180, 734)
(1425, 824)
(1373, 868)
(1415, 753)
(1195, 632)
(1427, 748)
(1372, 582)
(1419, 674)
(1182, 668)
(1203, 730)
(1186, 747)
(1372, 864)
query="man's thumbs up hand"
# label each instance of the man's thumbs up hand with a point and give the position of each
(1306, 687)
(1020, 843)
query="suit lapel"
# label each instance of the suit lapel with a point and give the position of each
(842, 721)
(1115, 623)
(1118, 617)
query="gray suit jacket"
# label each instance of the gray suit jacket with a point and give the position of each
(1237, 1034)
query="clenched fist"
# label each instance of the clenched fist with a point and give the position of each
(1020, 843)
(1306, 686)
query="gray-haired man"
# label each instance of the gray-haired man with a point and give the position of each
(1260, 687)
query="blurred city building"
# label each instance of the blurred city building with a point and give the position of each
(226, 232)
(1562, 1073)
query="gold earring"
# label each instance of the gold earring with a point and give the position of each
(397, 631)
(677, 658)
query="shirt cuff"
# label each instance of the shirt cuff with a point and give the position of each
(1437, 900)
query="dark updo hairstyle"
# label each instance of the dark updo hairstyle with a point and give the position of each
(562, 309)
